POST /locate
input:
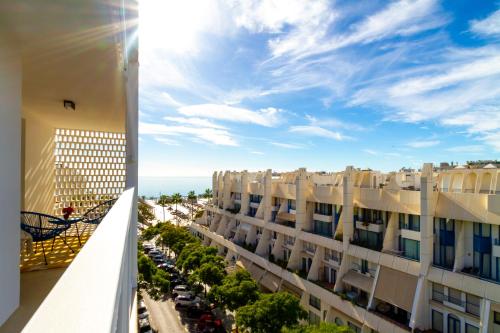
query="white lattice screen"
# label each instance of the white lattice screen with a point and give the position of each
(90, 168)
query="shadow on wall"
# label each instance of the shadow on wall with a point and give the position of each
(39, 165)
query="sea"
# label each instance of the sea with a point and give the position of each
(154, 186)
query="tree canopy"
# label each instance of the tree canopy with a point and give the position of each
(144, 214)
(237, 289)
(270, 313)
(322, 328)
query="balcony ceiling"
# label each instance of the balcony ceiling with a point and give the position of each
(70, 50)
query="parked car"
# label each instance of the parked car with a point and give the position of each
(181, 289)
(145, 326)
(208, 323)
(142, 313)
(187, 300)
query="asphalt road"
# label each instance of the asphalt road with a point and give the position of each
(164, 318)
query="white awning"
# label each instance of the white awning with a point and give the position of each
(396, 288)
(256, 272)
(270, 281)
(358, 280)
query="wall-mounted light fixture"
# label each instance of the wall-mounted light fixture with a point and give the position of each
(69, 105)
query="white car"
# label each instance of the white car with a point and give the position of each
(187, 300)
(181, 290)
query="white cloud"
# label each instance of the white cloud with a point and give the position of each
(194, 122)
(167, 141)
(268, 117)
(287, 145)
(481, 68)
(332, 122)
(400, 18)
(488, 26)
(257, 153)
(466, 149)
(169, 100)
(423, 143)
(204, 134)
(317, 131)
(371, 152)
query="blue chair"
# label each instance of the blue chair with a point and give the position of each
(43, 227)
(97, 213)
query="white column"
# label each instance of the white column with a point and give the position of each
(348, 207)
(301, 199)
(268, 195)
(10, 177)
(245, 198)
(426, 217)
(215, 188)
(227, 190)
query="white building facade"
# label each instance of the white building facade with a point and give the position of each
(397, 252)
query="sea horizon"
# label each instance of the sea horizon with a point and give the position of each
(154, 186)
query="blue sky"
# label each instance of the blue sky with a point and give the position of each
(282, 84)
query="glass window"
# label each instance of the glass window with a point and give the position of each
(315, 302)
(455, 296)
(437, 321)
(314, 319)
(473, 304)
(471, 329)
(438, 292)
(453, 324)
(339, 321)
(496, 318)
(410, 248)
(353, 327)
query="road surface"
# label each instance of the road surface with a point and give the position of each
(164, 318)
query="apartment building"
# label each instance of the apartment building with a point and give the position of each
(68, 136)
(397, 252)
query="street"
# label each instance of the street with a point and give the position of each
(164, 318)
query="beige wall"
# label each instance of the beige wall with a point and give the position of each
(38, 164)
(10, 166)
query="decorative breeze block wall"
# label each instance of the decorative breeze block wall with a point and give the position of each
(89, 168)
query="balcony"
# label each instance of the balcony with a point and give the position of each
(101, 272)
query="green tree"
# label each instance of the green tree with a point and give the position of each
(164, 201)
(192, 199)
(146, 268)
(322, 328)
(144, 214)
(270, 313)
(176, 199)
(208, 194)
(237, 289)
(210, 274)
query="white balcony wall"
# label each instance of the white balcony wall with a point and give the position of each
(95, 293)
(10, 168)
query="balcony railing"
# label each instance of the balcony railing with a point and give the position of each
(95, 293)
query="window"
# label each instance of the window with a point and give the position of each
(437, 321)
(339, 321)
(455, 296)
(471, 328)
(322, 228)
(472, 305)
(453, 324)
(410, 248)
(496, 318)
(353, 327)
(364, 266)
(438, 292)
(414, 222)
(315, 302)
(314, 319)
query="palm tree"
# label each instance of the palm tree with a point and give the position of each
(208, 194)
(176, 199)
(164, 201)
(192, 198)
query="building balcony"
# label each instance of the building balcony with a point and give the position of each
(370, 226)
(375, 246)
(101, 270)
(323, 218)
